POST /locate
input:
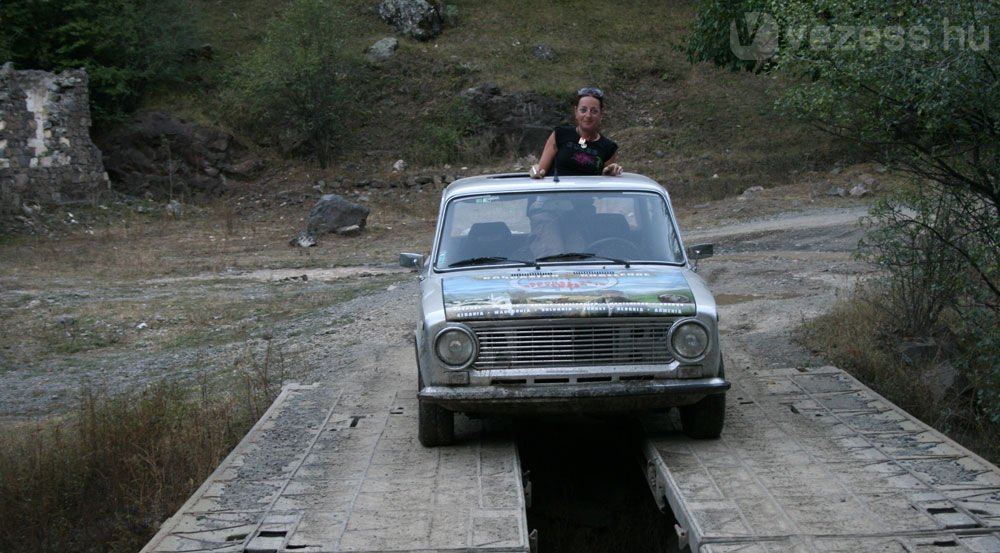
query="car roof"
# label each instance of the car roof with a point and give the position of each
(521, 182)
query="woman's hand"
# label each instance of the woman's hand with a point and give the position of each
(612, 169)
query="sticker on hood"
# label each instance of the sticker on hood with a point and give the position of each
(567, 294)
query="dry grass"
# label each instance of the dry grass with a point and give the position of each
(859, 336)
(105, 477)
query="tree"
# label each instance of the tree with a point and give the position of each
(293, 90)
(918, 82)
(125, 45)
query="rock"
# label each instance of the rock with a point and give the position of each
(858, 190)
(544, 52)
(349, 230)
(399, 166)
(414, 18)
(521, 120)
(303, 240)
(246, 169)
(333, 212)
(175, 209)
(160, 154)
(837, 191)
(750, 192)
(918, 352)
(382, 50)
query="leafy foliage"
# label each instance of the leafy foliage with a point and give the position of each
(922, 89)
(295, 89)
(917, 82)
(125, 45)
(714, 26)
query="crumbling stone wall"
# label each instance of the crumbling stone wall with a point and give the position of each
(46, 154)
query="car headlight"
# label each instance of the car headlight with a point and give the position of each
(456, 347)
(689, 340)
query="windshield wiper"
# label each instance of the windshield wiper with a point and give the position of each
(574, 256)
(489, 260)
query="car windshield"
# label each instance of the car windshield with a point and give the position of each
(604, 227)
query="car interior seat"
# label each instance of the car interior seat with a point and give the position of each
(488, 239)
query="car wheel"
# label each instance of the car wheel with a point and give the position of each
(436, 425)
(706, 418)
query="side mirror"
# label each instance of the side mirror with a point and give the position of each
(701, 251)
(411, 260)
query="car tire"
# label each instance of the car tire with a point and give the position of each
(705, 419)
(436, 425)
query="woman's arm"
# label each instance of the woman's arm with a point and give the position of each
(548, 156)
(611, 167)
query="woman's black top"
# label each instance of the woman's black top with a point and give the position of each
(572, 158)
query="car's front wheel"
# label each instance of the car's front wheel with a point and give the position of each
(436, 425)
(706, 418)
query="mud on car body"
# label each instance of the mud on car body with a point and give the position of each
(563, 296)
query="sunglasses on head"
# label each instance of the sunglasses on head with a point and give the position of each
(590, 91)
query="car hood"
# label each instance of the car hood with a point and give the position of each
(489, 295)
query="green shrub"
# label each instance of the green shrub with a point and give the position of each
(979, 339)
(454, 134)
(295, 89)
(711, 38)
(126, 46)
(905, 237)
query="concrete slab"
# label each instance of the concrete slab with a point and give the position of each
(811, 460)
(339, 468)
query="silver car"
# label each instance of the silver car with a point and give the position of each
(571, 295)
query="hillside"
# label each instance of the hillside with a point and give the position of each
(707, 133)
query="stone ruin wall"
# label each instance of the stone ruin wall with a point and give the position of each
(46, 154)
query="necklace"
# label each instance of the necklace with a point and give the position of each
(583, 141)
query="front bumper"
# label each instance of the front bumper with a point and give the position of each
(574, 398)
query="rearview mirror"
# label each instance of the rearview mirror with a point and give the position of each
(700, 251)
(411, 260)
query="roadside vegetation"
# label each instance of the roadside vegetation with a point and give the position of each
(919, 85)
(103, 478)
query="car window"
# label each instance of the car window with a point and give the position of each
(634, 226)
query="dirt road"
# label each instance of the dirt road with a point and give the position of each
(769, 275)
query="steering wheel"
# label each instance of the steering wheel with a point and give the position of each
(614, 247)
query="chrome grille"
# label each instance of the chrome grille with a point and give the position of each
(573, 345)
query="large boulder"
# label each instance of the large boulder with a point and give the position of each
(334, 213)
(414, 18)
(162, 155)
(523, 120)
